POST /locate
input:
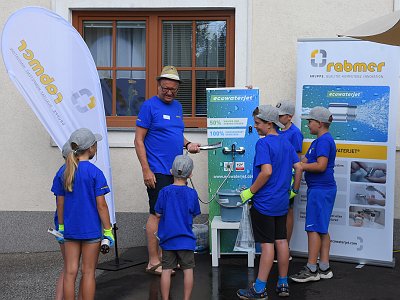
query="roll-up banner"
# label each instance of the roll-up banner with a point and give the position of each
(52, 67)
(358, 82)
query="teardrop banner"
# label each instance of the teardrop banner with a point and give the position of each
(52, 67)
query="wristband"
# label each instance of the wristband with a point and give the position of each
(187, 144)
(295, 191)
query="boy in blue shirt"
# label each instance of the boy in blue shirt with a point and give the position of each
(318, 165)
(176, 206)
(272, 173)
(293, 134)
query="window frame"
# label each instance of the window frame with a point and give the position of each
(154, 19)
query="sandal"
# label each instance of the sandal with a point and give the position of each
(153, 269)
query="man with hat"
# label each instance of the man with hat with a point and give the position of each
(158, 140)
(318, 166)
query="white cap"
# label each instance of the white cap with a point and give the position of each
(84, 138)
(286, 108)
(320, 114)
(182, 166)
(269, 113)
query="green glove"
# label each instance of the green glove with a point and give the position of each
(293, 193)
(60, 230)
(246, 195)
(107, 234)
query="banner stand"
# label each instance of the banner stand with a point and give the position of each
(120, 264)
(363, 101)
(65, 94)
(61, 84)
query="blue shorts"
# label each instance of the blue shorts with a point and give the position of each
(319, 209)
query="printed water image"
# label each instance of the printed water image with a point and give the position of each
(360, 113)
(362, 171)
(368, 194)
(367, 217)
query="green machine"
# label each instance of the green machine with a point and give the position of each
(230, 168)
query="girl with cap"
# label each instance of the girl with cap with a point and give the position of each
(82, 211)
(272, 173)
(66, 149)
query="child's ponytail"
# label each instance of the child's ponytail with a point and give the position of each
(81, 140)
(71, 164)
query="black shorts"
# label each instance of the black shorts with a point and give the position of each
(291, 202)
(171, 258)
(267, 229)
(161, 181)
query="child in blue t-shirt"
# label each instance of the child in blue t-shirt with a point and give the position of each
(82, 211)
(292, 134)
(66, 149)
(176, 206)
(272, 174)
(318, 165)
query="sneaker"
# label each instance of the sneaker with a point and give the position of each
(282, 290)
(306, 275)
(250, 293)
(327, 274)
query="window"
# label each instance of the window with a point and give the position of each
(131, 48)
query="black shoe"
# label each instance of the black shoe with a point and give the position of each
(306, 275)
(251, 294)
(282, 290)
(327, 274)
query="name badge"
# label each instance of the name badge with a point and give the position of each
(166, 117)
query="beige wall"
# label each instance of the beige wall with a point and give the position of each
(25, 156)
(266, 37)
(278, 24)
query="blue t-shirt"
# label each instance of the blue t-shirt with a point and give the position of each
(294, 136)
(273, 198)
(164, 138)
(58, 177)
(322, 146)
(177, 206)
(81, 218)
